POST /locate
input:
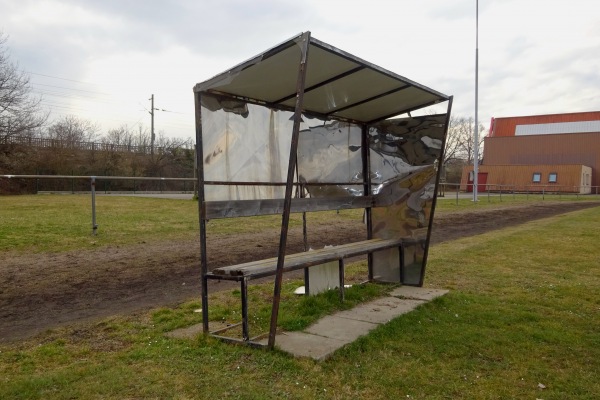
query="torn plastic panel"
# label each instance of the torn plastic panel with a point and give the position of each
(244, 143)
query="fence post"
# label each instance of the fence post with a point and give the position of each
(543, 193)
(94, 225)
(457, 190)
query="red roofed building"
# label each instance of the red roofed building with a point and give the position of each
(555, 152)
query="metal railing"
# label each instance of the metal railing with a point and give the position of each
(446, 190)
(449, 190)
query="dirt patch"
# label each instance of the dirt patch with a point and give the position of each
(42, 291)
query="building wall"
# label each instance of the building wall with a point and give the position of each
(569, 178)
(556, 149)
(507, 126)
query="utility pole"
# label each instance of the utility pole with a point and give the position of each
(151, 124)
(476, 133)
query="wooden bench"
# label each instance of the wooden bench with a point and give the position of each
(268, 267)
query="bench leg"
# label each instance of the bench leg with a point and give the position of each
(205, 304)
(401, 255)
(306, 282)
(341, 266)
(244, 293)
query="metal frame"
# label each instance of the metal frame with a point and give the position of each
(212, 87)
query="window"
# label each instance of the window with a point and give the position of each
(537, 177)
(552, 176)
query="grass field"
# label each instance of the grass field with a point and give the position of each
(53, 223)
(522, 320)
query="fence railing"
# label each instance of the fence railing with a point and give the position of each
(490, 191)
(92, 182)
(446, 190)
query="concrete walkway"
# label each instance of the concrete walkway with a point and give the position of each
(332, 332)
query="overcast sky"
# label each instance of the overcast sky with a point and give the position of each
(102, 59)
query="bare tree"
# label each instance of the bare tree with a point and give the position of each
(458, 151)
(20, 112)
(453, 145)
(71, 130)
(460, 140)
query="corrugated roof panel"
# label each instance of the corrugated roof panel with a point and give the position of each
(361, 91)
(558, 127)
(250, 80)
(395, 103)
(348, 90)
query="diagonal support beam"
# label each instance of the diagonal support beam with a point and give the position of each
(305, 39)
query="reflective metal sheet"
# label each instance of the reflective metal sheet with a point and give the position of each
(330, 152)
(404, 154)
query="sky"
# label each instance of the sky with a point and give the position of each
(101, 60)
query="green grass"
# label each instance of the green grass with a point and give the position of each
(53, 223)
(524, 310)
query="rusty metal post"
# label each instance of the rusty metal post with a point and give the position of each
(288, 187)
(201, 211)
(244, 294)
(93, 186)
(366, 171)
(342, 278)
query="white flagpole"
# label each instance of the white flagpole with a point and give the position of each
(476, 132)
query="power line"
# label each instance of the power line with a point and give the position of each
(68, 88)
(56, 77)
(68, 95)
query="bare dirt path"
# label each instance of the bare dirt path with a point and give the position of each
(41, 291)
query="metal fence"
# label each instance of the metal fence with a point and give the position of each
(494, 191)
(92, 181)
(188, 185)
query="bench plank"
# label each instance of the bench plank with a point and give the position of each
(306, 259)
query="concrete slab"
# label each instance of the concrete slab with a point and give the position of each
(419, 293)
(343, 329)
(302, 344)
(380, 311)
(332, 332)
